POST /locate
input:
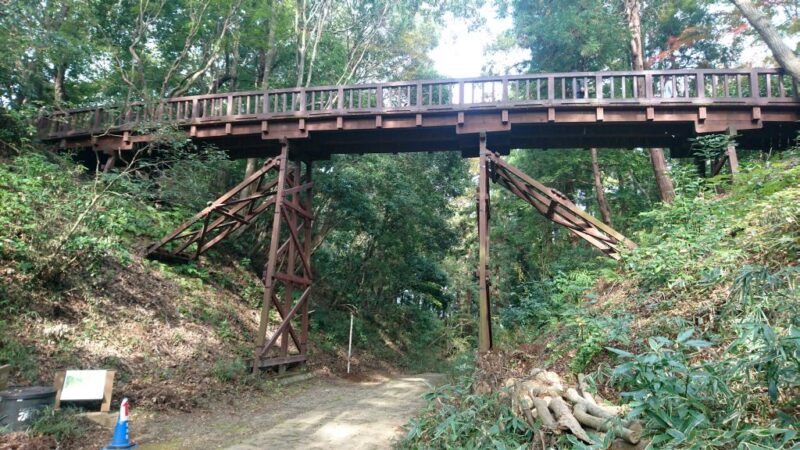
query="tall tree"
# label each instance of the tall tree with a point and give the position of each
(599, 189)
(785, 56)
(633, 15)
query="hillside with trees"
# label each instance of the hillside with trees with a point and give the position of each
(693, 337)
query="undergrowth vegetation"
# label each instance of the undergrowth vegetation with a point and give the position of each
(698, 331)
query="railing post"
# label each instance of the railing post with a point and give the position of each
(379, 97)
(340, 102)
(755, 92)
(195, 108)
(648, 86)
(461, 92)
(302, 99)
(230, 105)
(551, 87)
(505, 90)
(419, 95)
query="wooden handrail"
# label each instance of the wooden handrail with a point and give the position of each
(595, 88)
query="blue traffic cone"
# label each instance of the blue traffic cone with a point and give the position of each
(120, 440)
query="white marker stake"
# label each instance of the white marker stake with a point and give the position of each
(350, 343)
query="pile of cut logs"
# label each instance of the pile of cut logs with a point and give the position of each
(542, 395)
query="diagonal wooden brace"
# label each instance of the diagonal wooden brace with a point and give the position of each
(557, 207)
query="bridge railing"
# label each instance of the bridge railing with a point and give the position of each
(702, 86)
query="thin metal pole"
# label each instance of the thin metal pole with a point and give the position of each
(350, 343)
(485, 317)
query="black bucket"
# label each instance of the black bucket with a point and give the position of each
(19, 406)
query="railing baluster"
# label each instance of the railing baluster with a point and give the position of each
(598, 86)
(738, 86)
(769, 85)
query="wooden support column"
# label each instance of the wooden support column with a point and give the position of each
(733, 159)
(272, 256)
(307, 243)
(110, 162)
(293, 178)
(485, 315)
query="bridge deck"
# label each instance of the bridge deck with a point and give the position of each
(564, 110)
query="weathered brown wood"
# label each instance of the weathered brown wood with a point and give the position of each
(58, 384)
(71, 129)
(484, 316)
(272, 255)
(5, 374)
(557, 208)
(105, 405)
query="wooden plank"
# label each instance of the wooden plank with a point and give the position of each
(271, 362)
(5, 373)
(105, 406)
(58, 383)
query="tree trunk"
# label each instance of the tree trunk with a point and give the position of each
(605, 211)
(785, 56)
(301, 32)
(633, 14)
(58, 84)
(665, 190)
(251, 167)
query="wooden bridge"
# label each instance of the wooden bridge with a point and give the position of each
(560, 110)
(483, 117)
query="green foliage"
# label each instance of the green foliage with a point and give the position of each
(559, 41)
(19, 356)
(712, 146)
(690, 402)
(229, 369)
(63, 425)
(456, 418)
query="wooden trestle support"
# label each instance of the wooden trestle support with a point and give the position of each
(285, 186)
(549, 203)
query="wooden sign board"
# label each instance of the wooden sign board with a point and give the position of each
(85, 385)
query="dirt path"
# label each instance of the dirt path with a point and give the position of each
(318, 414)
